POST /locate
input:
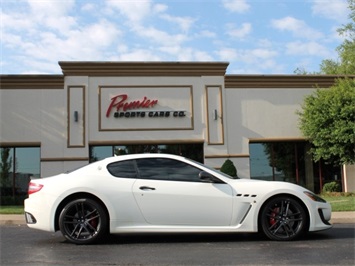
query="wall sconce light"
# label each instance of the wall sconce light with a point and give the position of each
(215, 114)
(76, 116)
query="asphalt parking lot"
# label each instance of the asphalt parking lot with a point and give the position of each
(21, 245)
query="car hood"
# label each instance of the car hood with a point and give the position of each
(263, 186)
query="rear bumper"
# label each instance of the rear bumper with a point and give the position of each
(30, 219)
(39, 213)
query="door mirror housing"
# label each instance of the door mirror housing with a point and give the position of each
(208, 178)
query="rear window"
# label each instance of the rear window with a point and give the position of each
(123, 169)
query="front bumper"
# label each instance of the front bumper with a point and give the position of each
(325, 216)
(321, 217)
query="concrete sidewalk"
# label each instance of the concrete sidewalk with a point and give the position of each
(337, 218)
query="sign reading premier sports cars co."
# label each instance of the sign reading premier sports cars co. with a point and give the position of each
(145, 108)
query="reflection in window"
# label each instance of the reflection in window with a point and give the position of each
(259, 163)
(167, 169)
(18, 166)
(291, 162)
(278, 161)
(192, 151)
(98, 153)
(124, 169)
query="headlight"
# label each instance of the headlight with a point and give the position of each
(314, 196)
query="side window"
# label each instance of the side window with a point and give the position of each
(167, 169)
(124, 169)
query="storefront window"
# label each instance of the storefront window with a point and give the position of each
(18, 166)
(260, 167)
(289, 162)
(98, 153)
(192, 151)
(278, 161)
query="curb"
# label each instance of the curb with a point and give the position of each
(337, 218)
(12, 219)
(343, 218)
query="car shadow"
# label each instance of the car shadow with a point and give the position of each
(180, 238)
(334, 233)
(343, 231)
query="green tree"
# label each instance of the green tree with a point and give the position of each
(345, 65)
(282, 156)
(229, 168)
(5, 166)
(328, 115)
(328, 120)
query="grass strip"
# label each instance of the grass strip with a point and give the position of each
(11, 210)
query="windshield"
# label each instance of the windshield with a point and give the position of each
(211, 168)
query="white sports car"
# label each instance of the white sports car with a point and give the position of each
(168, 193)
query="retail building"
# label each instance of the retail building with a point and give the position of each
(54, 123)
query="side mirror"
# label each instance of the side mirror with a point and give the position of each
(208, 178)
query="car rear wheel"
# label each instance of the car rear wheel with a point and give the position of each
(283, 218)
(83, 221)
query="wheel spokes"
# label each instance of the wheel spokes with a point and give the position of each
(289, 230)
(74, 230)
(82, 221)
(284, 219)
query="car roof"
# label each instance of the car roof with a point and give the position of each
(141, 156)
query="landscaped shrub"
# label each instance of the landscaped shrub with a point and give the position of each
(229, 168)
(10, 200)
(331, 187)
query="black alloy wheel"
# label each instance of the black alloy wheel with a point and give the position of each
(83, 221)
(283, 218)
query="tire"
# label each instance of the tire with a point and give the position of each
(283, 219)
(83, 221)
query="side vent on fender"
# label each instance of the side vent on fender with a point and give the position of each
(246, 195)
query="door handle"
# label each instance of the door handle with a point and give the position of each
(146, 188)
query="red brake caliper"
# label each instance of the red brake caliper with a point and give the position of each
(93, 223)
(274, 212)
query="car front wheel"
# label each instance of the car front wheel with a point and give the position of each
(283, 218)
(83, 221)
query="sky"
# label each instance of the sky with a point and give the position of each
(254, 36)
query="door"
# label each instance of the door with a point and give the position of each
(169, 192)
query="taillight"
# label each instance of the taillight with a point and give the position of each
(34, 187)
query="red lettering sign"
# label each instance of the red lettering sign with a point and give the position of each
(120, 101)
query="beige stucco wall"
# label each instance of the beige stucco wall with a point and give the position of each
(264, 114)
(349, 178)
